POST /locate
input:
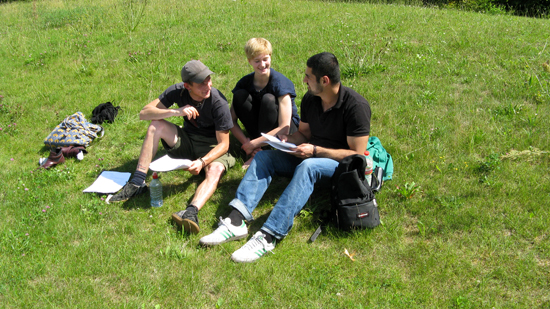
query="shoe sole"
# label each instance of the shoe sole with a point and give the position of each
(190, 227)
(108, 199)
(177, 219)
(236, 260)
(223, 241)
(186, 224)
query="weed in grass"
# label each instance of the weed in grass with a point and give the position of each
(490, 163)
(134, 12)
(62, 17)
(305, 213)
(360, 61)
(408, 190)
(425, 98)
(462, 302)
(529, 155)
(174, 252)
(58, 174)
(15, 243)
(93, 210)
(450, 202)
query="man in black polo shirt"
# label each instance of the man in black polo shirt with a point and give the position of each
(335, 124)
(204, 137)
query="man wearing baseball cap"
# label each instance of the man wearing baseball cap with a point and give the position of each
(204, 138)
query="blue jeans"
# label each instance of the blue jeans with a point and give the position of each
(269, 163)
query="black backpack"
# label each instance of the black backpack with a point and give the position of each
(353, 205)
(104, 112)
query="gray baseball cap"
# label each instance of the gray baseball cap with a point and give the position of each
(195, 71)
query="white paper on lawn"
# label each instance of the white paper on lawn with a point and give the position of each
(109, 182)
(165, 164)
(278, 144)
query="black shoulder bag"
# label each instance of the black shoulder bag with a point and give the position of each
(353, 205)
(352, 200)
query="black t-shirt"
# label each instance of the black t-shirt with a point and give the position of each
(278, 85)
(349, 117)
(214, 114)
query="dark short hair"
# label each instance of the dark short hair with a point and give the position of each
(325, 64)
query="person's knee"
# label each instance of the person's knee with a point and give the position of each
(269, 101)
(307, 166)
(239, 97)
(156, 126)
(214, 171)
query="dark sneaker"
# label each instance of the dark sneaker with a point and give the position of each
(128, 191)
(188, 221)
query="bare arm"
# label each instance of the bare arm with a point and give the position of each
(155, 110)
(357, 145)
(213, 154)
(303, 135)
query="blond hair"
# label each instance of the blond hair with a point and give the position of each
(257, 46)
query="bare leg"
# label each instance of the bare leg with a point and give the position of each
(157, 129)
(205, 190)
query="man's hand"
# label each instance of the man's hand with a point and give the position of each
(303, 151)
(282, 137)
(189, 111)
(249, 148)
(196, 167)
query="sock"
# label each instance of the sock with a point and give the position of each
(192, 209)
(236, 217)
(138, 178)
(268, 237)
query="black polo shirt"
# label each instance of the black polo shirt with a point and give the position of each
(330, 129)
(214, 114)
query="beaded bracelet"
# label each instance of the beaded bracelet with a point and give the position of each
(203, 163)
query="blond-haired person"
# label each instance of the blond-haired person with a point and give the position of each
(263, 100)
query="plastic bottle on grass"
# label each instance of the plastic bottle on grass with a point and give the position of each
(368, 169)
(155, 188)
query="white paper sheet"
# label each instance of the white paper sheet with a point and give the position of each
(109, 182)
(277, 144)
(165, 164)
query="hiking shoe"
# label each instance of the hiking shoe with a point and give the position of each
(186, 220)
(254, 249)
(224, 233)
(128, 191)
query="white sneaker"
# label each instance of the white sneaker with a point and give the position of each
(254, 249)
(224, 233)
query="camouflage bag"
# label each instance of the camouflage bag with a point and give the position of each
(74, 130)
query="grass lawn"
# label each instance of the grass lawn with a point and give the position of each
(459, 99)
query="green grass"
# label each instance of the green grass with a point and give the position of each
(461, 101)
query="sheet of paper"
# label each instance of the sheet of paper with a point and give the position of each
(277, 144)
(165, 164)
(109, 182)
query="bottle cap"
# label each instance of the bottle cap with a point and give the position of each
(155, 176)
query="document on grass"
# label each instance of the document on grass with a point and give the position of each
(165, 164)
(278, 144)
(108, 182)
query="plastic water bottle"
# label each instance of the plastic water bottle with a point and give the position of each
(155, 188)
(369, 167)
